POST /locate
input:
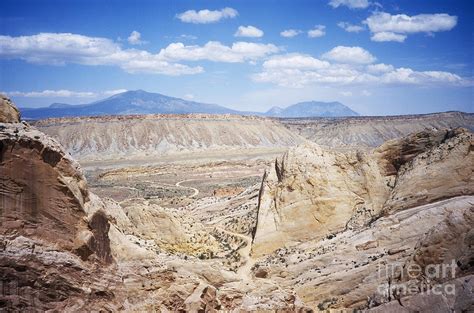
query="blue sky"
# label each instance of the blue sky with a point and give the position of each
(385, 57)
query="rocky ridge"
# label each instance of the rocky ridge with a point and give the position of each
(114, 137)
(372, 131)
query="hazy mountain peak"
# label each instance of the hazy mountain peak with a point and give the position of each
(312, 109)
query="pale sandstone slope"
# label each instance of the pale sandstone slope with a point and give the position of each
(353, 270)
(327, 222)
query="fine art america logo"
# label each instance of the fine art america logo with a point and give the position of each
(413, 279)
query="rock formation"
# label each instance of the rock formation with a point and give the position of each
(329, 221)
(51, 233)
(8, 112)
(313, 192)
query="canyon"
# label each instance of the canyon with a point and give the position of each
(206, 213)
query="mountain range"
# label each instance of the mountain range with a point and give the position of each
(142, 102)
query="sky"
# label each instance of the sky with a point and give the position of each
(377, 57)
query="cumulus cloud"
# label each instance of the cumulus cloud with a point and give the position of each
(342, 54)
(387, 27)
(350, 28)
(217, 52)
(64, 48)
(317, 31)
(206, 16)
(289, 33)
(63, 93)
(135, 38)
(299, 70)
(352, 4)
(248, 31)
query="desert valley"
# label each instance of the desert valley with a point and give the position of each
(237, 156)
(203, 212)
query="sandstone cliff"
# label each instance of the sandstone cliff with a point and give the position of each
(52, 237)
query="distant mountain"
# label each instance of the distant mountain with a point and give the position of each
(312, 109)
(142, 102)
(129, 102)
(274, 111)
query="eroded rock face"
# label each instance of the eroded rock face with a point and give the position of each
(314, 193)
(43, 194)
(8, 111)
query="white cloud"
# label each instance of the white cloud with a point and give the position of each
(352, 4)
(135, 38)
(342, 54)
(350, 28)
(401, 23)
(217, 52)
(299, 70)
(206, 16)
(346, 93)
(365, 93)
(248, 31)
(387, 27)
(63, 93)
(388, 36)
(63, 48)
(289, 33)
(189, 96)
(317, 31)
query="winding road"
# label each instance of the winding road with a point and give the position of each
(196, 191)
(244, 252)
